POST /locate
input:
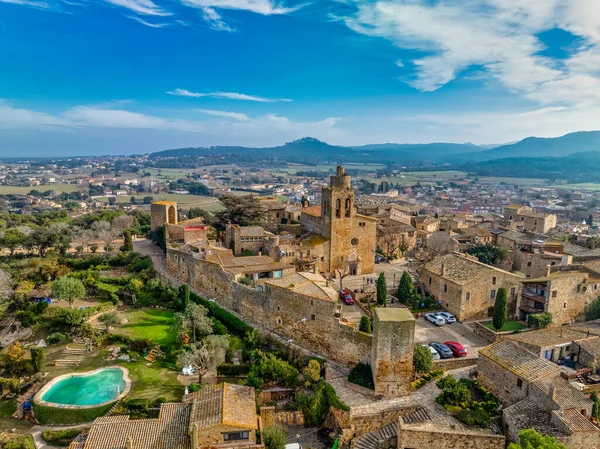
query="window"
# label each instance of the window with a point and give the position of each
(512, 291)
(492, 294)
(493, 281)
(234, 436)
(554, 293)
(348, 207)
(313, 317)
(565, 305)
(528, 264)
(519, 384)
(312, 302)
(467, 296)
(445, 288)
(429, 280)
(338, 208)
(354, 242)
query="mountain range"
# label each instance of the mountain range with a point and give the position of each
(309, 150)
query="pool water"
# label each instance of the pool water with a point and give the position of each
(89, 389)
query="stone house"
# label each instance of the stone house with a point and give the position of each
(466, 287)
(277, 212)
(473, 236)
(564, 294)
(523, 218)
(220, 415)
(392, 235)
(553, 344)
(349, 237)
(425, 224)
(242, 239)
(162, 212)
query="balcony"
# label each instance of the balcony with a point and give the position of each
(532, 295)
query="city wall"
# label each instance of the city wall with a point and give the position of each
(308, 321)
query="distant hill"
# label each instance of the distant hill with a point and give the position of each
(309, 150)
(541, 147)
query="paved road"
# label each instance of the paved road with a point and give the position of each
(425, 332)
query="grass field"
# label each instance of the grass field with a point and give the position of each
(152, 382)
(583, 186)
(532, 182)
(155, 324)
(19, 190)
(508, 326)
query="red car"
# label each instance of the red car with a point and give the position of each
(346, 296)
(457, 349)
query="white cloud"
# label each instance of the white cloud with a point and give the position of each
(498, 35)
(214, 20)
(264, 7)
(35, 4)
(233, 115)
(148, 24)
(143, 7)
(226, 95)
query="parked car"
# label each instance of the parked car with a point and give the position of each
(379, 258)
(433, 352)
(435, 319)
(346, 296)
(448, 317)
(444, 351)
(457, 349)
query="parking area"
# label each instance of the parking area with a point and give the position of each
(426, 332)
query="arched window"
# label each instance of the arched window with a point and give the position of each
(348, 206)
(338, 208)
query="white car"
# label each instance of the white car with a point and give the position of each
(434, 353)
(435, 319)
(448, 317)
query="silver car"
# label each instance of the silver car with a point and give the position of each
(435, 319)
(448, 317)
(433, 352)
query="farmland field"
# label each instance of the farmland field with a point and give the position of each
(583, 186)
(532, 182)
(208, 203)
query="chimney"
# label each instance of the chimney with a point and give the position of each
(548, 270)
(552, 393)
(129, 443)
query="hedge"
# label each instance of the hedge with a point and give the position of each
(20, 442)
(233, 370)
(60, 437)
(57, 416)
(235, 325)
(422, 381)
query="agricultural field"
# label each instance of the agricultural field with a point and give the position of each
(208, 203)
(582, 186)
(529, 182)
(21, 190)
(422, 177)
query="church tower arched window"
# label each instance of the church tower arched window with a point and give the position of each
(338, 208)
(348, 206)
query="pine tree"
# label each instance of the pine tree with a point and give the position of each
(406, 290)
(381, 290)
(596, 406)
(500, 309)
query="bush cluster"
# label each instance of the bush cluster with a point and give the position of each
(233, 370)
(540, 320)
(55, 416)
(426, 378)
(60, 437)
(362, 375)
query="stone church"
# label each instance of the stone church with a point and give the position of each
(341, 239)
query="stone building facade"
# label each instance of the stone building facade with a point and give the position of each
(431, 435)
(392, 352)
(350, 238)
(466, 287)
(523, 218)
(162, 212)
(252, 239)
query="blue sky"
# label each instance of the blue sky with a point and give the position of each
(124, 76)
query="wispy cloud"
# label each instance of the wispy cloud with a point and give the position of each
(148, 24)
(264, 7)
(214, 20)
(233, 115)
(226, 95)
(143, 7)
(32, 3)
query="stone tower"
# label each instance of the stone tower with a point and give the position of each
(338, 212)
(392, 351)
(162, 212)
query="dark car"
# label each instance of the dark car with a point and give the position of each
(457, 349)
(346, 296)
(444, 351)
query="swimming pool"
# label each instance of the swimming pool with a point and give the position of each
(91, 389)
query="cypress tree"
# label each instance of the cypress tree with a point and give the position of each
(381, 290)
(406, 290)
(365, 324)
(500, 309)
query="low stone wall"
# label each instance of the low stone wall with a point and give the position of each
(455, 363)
(490, 335)
(427, 436)
(290, 418)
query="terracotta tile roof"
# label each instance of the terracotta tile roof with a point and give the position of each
(477, 232)
(547, 337)
(565, 396)
(315, 211)
(230, 404)
(576, 421)
(309, 284)
(519, 361)
(169, 431)
(461, 269)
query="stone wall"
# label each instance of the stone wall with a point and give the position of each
(500, 381)
(573, 293)
(428, 437)
(455, 363)
(308, 321)
(491, 336)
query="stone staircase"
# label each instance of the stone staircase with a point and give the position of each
(153, 354)
(385, 436)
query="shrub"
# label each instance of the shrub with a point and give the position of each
(381, 288)
(316, 407)
(362, 375)
(313, 371)
(446, 381)
(20, 442)
(195, 387)
(453, 409)
(218, 327)
(540, 320)
(365, 324)
(233, 323)
(406, 290)
(422, 359)
(454, 395)
(270, 368)
(55, 338)
(141, 345)
(478, 418)
(245, 281)
(38, 358)
(12, 383)
(274, 437)
(233, 370)
(60, 437)
(55, 416)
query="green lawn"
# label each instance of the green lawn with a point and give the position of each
(508, 326)
(20, 190)
(155, 324)
(7, 408)
(154, 381)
